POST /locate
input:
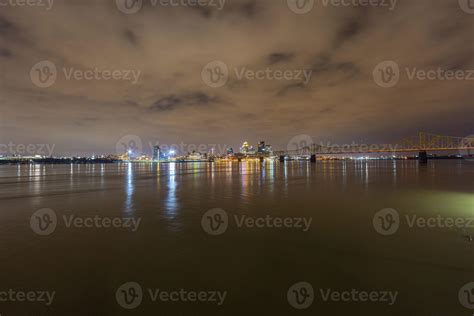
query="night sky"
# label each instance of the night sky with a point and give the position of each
(171, 103)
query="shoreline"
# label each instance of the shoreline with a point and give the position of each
(58, 161)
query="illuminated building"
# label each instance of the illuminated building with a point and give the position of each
(143, 158)
(268, 149)
(124, 157)
(196, 156)
(264, 149)
(247, 149)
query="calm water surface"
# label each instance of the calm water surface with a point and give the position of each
(256, 266)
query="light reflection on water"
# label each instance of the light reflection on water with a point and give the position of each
(36, 172)
(129, 190)
(174, 183)
(341, 249)
(171, 203)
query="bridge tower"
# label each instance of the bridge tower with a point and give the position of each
(423, 157)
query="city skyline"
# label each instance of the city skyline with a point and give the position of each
(303, 147)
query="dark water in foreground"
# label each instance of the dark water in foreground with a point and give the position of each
(171, 251)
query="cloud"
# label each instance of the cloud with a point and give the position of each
(173, 102)
(276, 58)
(171, 45)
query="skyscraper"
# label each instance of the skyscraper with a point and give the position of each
(156, 153)
(245, 148)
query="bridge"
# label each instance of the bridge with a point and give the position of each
(422, 144)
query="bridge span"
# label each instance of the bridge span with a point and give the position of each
(422, 143)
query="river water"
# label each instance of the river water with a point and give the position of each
(293, 238)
